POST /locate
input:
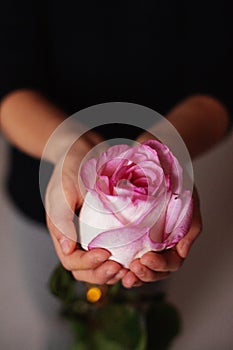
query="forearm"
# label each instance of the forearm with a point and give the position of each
(202, 121)
(28, 120)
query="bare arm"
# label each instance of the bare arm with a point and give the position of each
(201, 120)
(28, 119)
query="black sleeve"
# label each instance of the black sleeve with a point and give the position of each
(23, 46)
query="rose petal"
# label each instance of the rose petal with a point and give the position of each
(173, 211)
(140, 212)
(114, 152)
(142, 153)
(111, 167)
(103, 186)
(169, 164)
(140, 205)
(126, 244)
(176, 210)
(88, 173)
(183, 224)
(157, 230)
(94, 218)
(154, 176)
(126, 189)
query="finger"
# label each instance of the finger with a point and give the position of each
(185, 243)
(80, 259)
(130, 280)
(166, 261)
(60, 203)
(65, 244)
(118, 276)
(138, 284)
(100, 275)
(146, 274)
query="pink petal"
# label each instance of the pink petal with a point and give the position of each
(140, 212)
(126, 244)
(156, 233)
(182, 225)
(173, 211)
(154, 175)
(151, 210)
(118, 237)
(142, 153)
(114, 152)
(169, 164)
(123, 243)
(102, 185)
(121, 171)
(94, 218)
(88, 173)
(112, 166)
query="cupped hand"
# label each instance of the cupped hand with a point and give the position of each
(157, 266)
(63, 199)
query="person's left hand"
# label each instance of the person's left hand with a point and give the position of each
(63, 200)
(157, 266)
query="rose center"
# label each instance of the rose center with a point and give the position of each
(127, 177)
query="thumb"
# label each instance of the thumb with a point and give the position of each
(60, 203)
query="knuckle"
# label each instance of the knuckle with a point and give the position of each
(108, 273)
(146, 278)
(160, 276)
(162, 263)
(163, 275)
(66, 264)
(102, 279)
(140, 272)
(80, 277)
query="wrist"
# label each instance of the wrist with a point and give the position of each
(72, 146)
(70, 138)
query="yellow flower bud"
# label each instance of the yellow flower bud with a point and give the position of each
(94, 294)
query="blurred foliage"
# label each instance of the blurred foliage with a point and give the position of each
(121, 319)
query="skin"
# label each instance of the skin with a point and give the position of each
(28, 120)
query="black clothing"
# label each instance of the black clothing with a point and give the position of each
(80, 53)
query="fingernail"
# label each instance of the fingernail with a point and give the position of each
(102, 257)
(110, 272)
(65, 246)
(120, 274)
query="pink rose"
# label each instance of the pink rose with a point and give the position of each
(135, 202)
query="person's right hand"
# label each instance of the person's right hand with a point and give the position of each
(63, 199)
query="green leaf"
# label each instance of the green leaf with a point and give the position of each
(121, 324)
(101, 342)
(80, 328)
(80, 345)
(163, 324)
(62, 284)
